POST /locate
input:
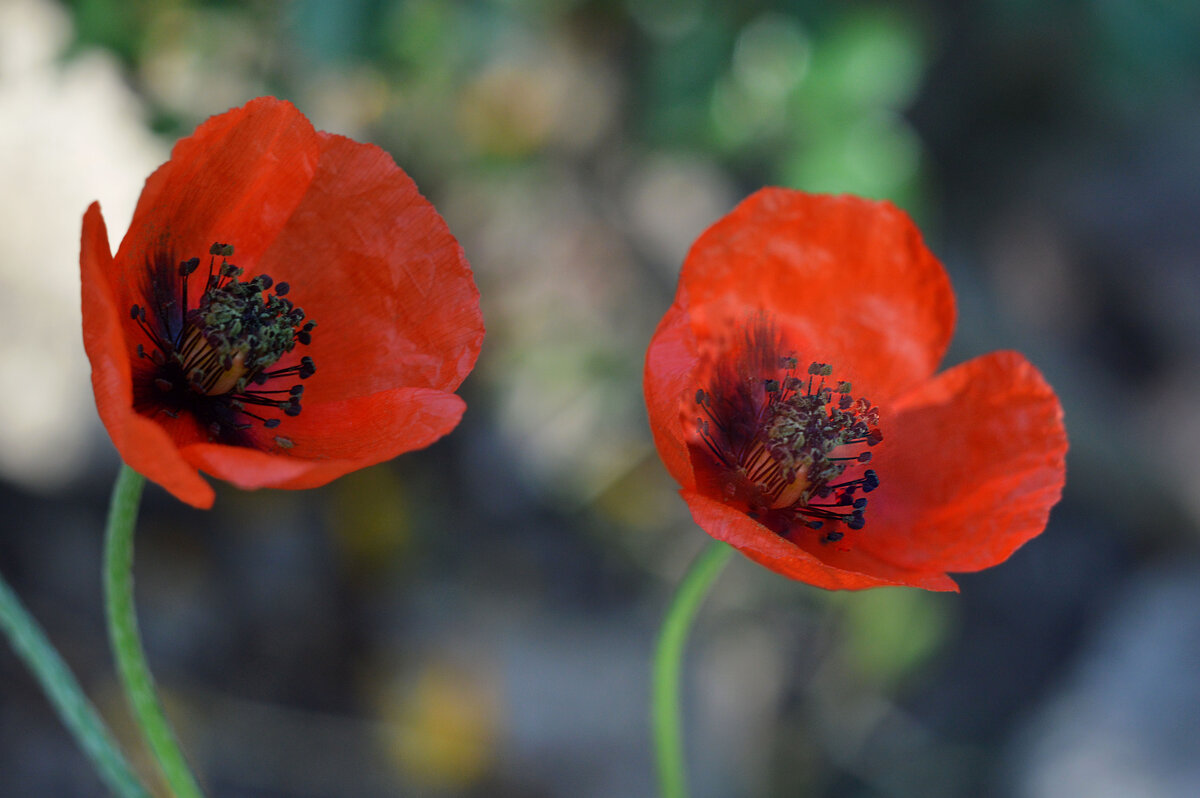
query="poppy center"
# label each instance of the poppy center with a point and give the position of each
(781, 445)
(215, 358)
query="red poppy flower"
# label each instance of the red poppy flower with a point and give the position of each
(791, 311)
(342, 350)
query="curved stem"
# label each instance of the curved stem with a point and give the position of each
(668, 656)
(126, 641)
(60, 686)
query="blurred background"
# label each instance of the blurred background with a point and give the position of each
(476, 619)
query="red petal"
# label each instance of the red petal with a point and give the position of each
(144, 445)
(669, 375)
(849, 279)
(237, 179)
(827, 566)
(970, 465)
(375, 266)
(350, 435)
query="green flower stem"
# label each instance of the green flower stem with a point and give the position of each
(668, 656)
(59, 684)
(126, 642)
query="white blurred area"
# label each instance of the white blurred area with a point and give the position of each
(70, 132)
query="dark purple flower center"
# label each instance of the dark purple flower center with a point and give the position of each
(215, 359)
(781, 442)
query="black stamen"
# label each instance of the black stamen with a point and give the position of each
(206, 356)
(780, 443)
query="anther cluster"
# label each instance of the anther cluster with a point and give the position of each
(214, 359)
(782, 444)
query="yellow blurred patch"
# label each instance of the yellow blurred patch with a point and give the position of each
(441, 726)
(369, 520)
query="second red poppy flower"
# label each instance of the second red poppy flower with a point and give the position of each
(792, 394)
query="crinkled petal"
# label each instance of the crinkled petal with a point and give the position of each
(143, 444)
(669, 375)
(237, 179)
(849, 280)
(375, 266)
(970, 465)
(827, 566)
(350, 435)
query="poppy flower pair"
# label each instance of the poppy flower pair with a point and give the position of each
(286, 308)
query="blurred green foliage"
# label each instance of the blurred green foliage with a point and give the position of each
(891, 633)
(808, 95)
